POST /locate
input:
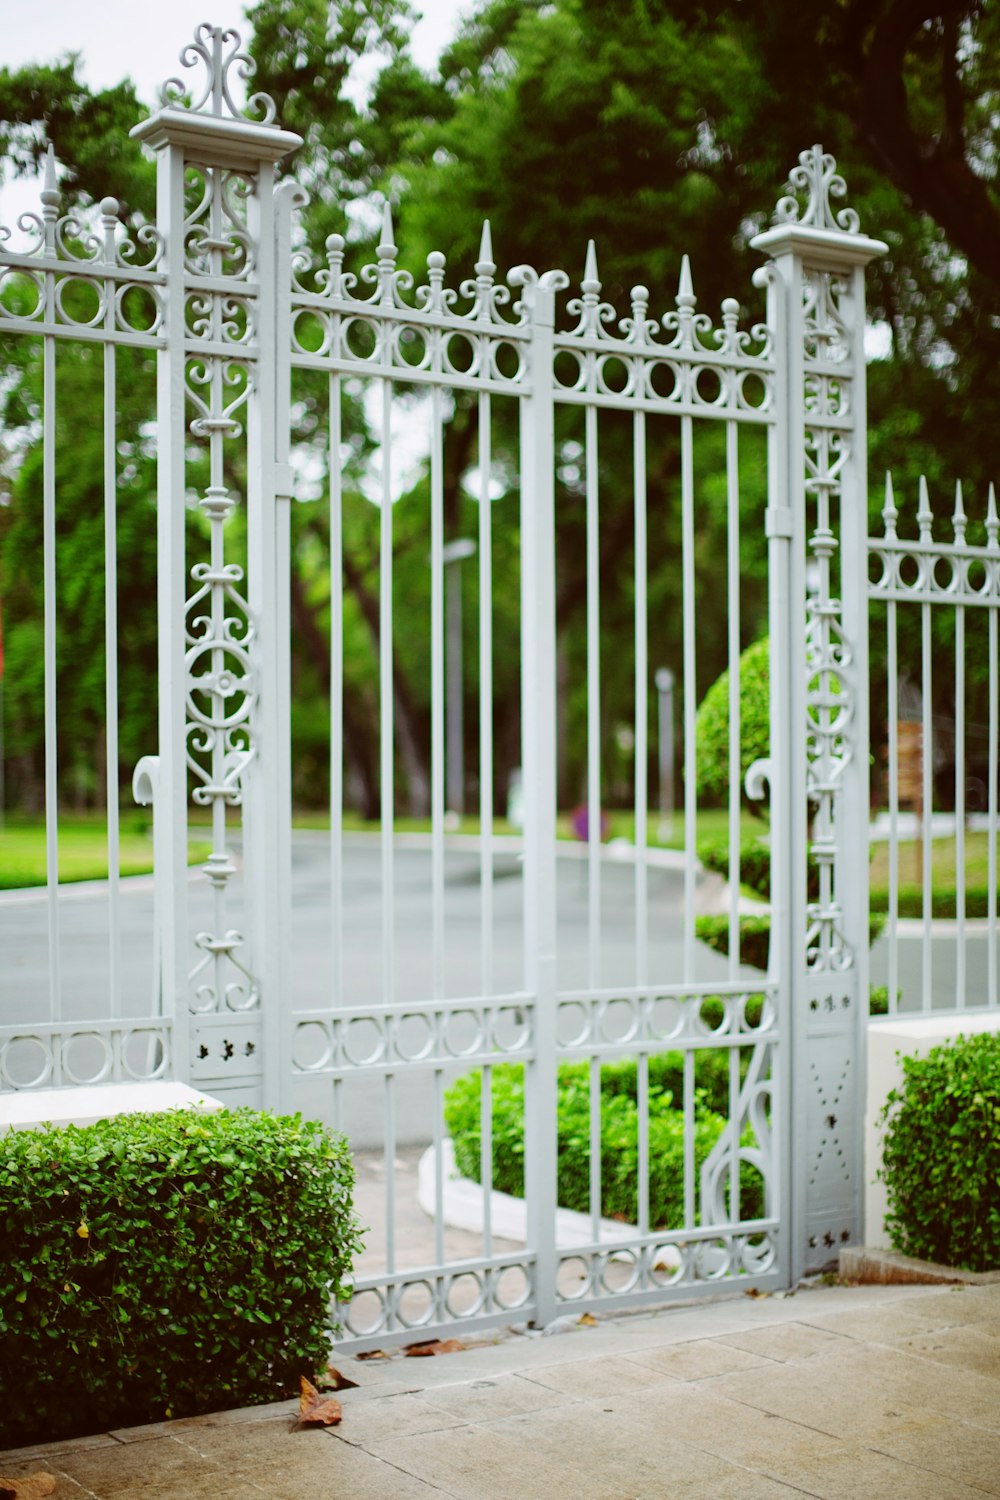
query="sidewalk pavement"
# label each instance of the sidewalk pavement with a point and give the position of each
(879, 1393)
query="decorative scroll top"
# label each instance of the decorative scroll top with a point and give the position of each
(817, 176)
(219, 49)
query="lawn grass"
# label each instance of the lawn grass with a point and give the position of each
(713, 823)
(83, 849)
(943, 876)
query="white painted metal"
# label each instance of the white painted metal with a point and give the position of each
(957, 581)
(230, 307)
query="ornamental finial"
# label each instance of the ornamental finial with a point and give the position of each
(219, 49)
(816, 175)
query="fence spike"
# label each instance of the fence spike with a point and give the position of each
(959, 518)
(485, 265)
(992, 519)
(50, 192)
(591, 282)
(685, 288)
(386, 248)
(889, 512)
(925, 515)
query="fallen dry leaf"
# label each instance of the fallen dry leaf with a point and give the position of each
(333, 1380)
(32, 1487)
(433, 1346)
(372, 1354)
(316, 1410)
(587, 1320)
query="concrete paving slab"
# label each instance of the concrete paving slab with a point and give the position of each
(965, 1455)
(578, 1449)
(861, 1474)
(604, 1376)
(785, 1341)
(702, 1359)
(161, 1469)
(966, 1347)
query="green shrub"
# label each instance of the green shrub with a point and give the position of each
(712, 725)
(162, 1265)
(941, 1162)
(755, 937)
(755, 865)
(619, 1134)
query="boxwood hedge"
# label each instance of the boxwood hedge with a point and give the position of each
(162, 1265)
(941, 1157)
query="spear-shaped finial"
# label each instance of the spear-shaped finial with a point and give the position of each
(925, 515)
(386, 248)
(959, 517)
(889, 512)
(590, 284)
(992, 519)
(485, 265)
(50, 190)
(686, 298)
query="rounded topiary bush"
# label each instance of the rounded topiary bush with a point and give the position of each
(712, 724)
(162, 1265)
(941, 1160)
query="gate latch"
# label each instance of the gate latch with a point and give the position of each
(778, 521)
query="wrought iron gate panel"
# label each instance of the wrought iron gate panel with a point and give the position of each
(245, 329)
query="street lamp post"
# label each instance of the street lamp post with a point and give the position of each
(664, 680)
(453, 555)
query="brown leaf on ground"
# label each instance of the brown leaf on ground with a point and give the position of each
(32, 1487)
(587, 1320)
(334, 1380)
(316, 1410)
(433, 1346)
(372, 1354)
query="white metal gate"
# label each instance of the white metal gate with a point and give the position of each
(244, 328)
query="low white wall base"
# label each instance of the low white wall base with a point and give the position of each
(463, 1207)
(910, 1036)
(84, 1106)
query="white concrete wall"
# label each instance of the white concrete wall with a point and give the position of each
(910, 1036)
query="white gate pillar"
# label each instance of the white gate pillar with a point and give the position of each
(818, 524)
(220, 703)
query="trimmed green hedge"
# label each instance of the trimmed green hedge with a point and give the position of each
(619, 1134)
(941, 1159)
(755, 935)
(157, 1266)
(755, 865)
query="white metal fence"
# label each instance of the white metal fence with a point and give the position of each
(364, 982)
(936, 599)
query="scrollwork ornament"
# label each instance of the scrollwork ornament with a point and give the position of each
(219, 49)
(817, 177)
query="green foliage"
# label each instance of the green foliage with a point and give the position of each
(712, 724)
(619, 1133)
(943, 900)
(941, 1159)
(755, 862)
(755, 935)
(157, 1266)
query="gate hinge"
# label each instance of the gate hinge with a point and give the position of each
(283, 481)
(778, 521)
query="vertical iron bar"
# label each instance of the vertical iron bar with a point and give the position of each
(385, 655)
(641, 758)
(485, 695)
(437, 694)
(735, 761)
(336, 695)
(593, 704)
(49, 654)
(690, 692)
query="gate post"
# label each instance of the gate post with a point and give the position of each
(817, 519)
(218, 663)
(538, 754)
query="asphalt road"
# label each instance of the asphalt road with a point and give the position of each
(85, 963)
